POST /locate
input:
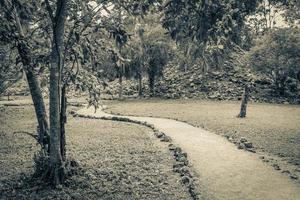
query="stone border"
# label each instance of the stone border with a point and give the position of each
(181, 166)
(241, 144)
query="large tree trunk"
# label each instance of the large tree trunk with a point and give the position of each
(245, 99)
(57, 173)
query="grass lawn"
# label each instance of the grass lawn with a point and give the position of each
(274, 129)
(120, 161)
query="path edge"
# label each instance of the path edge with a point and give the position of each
(181, 161)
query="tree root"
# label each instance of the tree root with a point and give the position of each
(54, 175)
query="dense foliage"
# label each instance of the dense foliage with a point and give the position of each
(277, 54)
(9, 73)
(207, 21)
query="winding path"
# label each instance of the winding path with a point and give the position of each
(224, 172)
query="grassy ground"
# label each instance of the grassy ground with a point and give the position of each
(272, 128)
(119, 160)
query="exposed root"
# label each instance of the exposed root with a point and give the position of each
(54, 175)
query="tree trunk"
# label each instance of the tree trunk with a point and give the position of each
(34, 87)
(63, 121)
(56, 166)
(120, 85)
(36, 94)
(188, 56)
(152, 82)
(40, 109)
(244, 102)
(140, 86)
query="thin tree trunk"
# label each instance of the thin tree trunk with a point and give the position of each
(188, 56)
(140, 86)
(40, 110)
(120, 85)
(151, 83)
(36, 95)
(63, 120)
(57, 173)
(245, 100)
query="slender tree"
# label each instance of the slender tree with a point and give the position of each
(244, 104)
(10, 11)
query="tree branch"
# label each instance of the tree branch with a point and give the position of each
(50, 11)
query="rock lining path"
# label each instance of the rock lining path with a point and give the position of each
(224, 172)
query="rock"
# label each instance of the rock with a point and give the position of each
(248, 145)
(276, 166)
(155, 130)
(159, 134)
(294, 176)
(177, 166)
(72, 112)
(241, 146)
(185, 180)
(184, 171)
(286, 172)
(227, 136)
(172, 147)
(251, 150)
(166, 139)
(178, 150)
(262, 157)
(243, 140)
(181, 159)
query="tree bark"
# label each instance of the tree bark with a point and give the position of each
(57, 173)
(120, 84)
(151, 77)
(40, 110)
(36, 94)
(245, 99)
(34, 86)
(140, 86)
(63, 121)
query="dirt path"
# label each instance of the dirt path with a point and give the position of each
(225, 173)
